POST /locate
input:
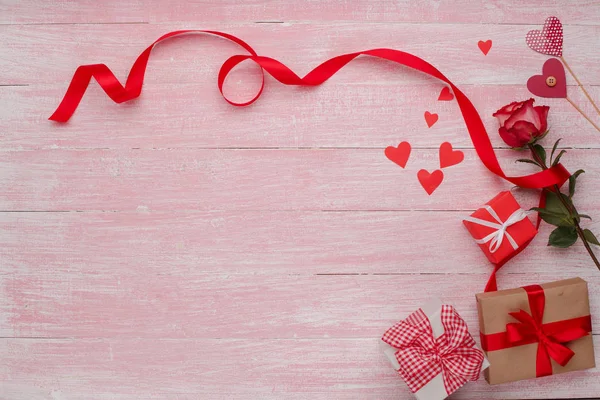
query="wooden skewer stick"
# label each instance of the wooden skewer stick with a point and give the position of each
(584, 116)
(581, 86)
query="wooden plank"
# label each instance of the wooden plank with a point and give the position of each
(177, 299)
(43, 54)
(335, 115)
(295, 179)
(234, 369)
(295, 243)
(86, 11)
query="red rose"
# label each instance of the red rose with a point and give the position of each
(522, 123)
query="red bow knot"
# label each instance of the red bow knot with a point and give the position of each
(550, 342)
(550, 338)
(422, 357)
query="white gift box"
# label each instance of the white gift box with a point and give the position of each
(435, 388)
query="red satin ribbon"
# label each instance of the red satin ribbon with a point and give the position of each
(530, 329)
(133, 87)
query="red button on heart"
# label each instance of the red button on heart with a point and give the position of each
(538, 84)
(448, 156)
(430, 181)
(399, 154)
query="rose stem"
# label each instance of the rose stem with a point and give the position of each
(580, 85)
(581, 112)
(577, 227)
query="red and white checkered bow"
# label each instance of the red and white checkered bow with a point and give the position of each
(422, 357)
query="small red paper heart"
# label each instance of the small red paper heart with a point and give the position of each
(430, 118)
(485, 46)
(553, 73)
(450, 157)
(446, 95)
(549, 40)
(399, 154)
(430, 181)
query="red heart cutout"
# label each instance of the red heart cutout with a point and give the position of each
(430, 118)
(485, 46)
(549, 40)
(399, 154)
(430, 181)
(449, 157)
(538, 84)
(446, 95)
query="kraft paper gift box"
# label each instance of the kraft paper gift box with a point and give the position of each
(537, 330)
(429, 343)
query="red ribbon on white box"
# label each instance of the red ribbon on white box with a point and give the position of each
(421, 356)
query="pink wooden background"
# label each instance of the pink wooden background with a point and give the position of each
(180, 248)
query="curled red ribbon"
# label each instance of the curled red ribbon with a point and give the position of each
(550, 337)
(133, 87)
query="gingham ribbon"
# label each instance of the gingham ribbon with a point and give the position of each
(496, 237)
(422, 357)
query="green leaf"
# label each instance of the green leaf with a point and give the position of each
(528, 161)
(554, 204)
(541, 153)
(555, 212)
(557, 160)
(563, 237)
(553, 218)
(554, 149)
(584, 216)
(590, 237)
(572, 181)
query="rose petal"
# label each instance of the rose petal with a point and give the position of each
(505, 112)
(525, 113)
(542, 112)
(524, 131)
(512, 138)
(509, 108)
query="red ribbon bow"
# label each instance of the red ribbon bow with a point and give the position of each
(422, 357)
(550, 337)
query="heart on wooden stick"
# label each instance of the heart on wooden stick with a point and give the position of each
(551, 83)
(549, 40)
